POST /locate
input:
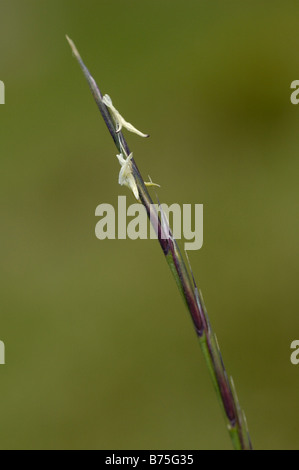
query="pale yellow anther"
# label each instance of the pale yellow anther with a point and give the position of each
(120, 122)
(150, 183)
(126, 177)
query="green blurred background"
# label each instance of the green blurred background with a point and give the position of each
(100, 350)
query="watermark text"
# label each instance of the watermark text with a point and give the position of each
(2, 92)
(295, 354)
(294, 95)
(2, 353)
(132, 222)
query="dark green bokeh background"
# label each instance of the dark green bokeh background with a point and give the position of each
(100, 350)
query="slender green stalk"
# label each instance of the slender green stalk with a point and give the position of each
(234, 416)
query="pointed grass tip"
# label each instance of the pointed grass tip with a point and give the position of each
(73, 47)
